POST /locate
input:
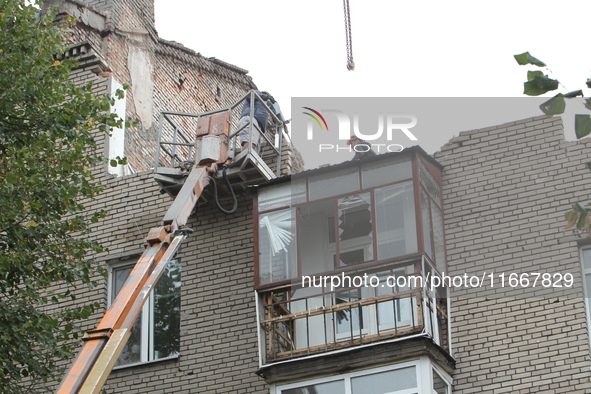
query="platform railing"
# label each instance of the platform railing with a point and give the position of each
(177, 136)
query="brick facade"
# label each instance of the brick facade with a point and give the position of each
(218, 322)
(117, 39)
(162, 75)
(505, 190)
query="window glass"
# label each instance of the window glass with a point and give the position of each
(385, 382)
(156, 332)
(586, 258)
(167, 312)
(430, 183)
(337, 387)
(586, 263)
(334, 183)
(384, 172)
(277, 246)
(299, 189)
(316, 244)
(395, 220)
(439, 385)
(438, 236)
(275, 196)
(397, 313)
(426, 213)
(310, 331)
(349, 321)
(355, 229)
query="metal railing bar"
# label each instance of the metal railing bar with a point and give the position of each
(173, 124)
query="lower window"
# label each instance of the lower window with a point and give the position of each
(414, 377)
(156, 332)
(585, 254)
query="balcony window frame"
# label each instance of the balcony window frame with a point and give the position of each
(586, 289)
(425, 369)
(303, 198)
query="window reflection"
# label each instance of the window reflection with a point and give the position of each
(334, 183)
(385, 382)
(316, 230)
(437, 216)
(320, 388)
(348, 321)
(427, 233)
(384, 172)
(396, 224)
(167, 312)
(156, 331)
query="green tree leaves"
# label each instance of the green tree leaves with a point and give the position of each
(48, 153)
(538, 83)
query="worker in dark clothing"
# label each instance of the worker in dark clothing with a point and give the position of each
(260, 115)
(362, 149)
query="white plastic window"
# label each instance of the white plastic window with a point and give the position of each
(156, 332)
(586, 270)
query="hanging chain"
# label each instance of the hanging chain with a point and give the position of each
(350, 63)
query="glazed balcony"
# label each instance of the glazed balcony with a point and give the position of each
(297, 321)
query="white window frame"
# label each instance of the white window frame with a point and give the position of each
(424, 368)
(147, 334)
(370, 316)
(586, 291)
(116, 139)
(443, 376)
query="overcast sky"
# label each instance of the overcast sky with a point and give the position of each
(401, 48)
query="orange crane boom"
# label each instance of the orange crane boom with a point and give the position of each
(103, 345)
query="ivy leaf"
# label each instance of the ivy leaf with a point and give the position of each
(539, 85)
(573, 94)
(554, 106)
(525, 58)
(532, 74)
(121, 161)
(582, 125)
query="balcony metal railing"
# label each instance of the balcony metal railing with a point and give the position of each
(294, 325)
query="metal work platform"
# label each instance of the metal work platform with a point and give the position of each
(184, 138)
